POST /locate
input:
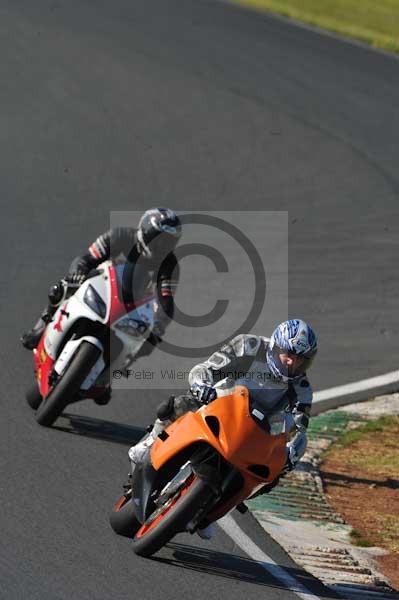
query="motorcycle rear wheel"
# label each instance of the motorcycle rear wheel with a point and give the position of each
(66, 389)
(152, 537)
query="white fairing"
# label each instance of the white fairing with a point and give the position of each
(68, 352)
(131, 328)
(75, 308)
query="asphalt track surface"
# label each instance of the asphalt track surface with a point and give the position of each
(198, 105)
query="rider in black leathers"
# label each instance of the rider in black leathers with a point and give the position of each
(151, 245)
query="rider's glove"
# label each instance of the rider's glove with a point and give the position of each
(75, 278)
(301, 418)
(204, 393)
(59, 291)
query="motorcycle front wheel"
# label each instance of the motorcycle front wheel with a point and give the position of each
(33, 396)
(123, 518)
(173, 518)
(66, 389)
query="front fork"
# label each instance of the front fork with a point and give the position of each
(218, 487)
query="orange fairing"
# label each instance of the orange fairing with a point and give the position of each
(240, 440)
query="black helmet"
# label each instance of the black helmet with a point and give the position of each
(158, 232)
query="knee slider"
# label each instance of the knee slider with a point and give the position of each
(166, 409)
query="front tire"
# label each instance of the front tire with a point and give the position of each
(151, 538)
(33, 396)
(123, 518)
(66, 389)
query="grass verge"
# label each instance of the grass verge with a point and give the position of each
(366, 460)
(375, 23)
(379, 436)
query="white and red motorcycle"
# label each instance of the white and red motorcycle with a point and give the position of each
(91, 332)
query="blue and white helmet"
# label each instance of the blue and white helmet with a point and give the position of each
(295, 338)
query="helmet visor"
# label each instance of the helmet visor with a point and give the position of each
(290, 364)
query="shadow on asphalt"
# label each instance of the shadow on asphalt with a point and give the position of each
(109, 431)
(193, 558)
(238, 568)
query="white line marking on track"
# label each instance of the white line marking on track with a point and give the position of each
(358, 386)
(238, 536)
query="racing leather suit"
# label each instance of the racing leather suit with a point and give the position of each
(243, 358)
(122, 241)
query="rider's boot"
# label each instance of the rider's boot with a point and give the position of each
(136, 455)
(56, 294)
(137, 452)
(207, 532)
(31, 338)
(104, 398)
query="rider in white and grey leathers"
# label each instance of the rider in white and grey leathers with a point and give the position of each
(289, 353)
(281, 361)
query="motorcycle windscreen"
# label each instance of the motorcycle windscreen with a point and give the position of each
(267, 405)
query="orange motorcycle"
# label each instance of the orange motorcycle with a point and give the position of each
(204, 465)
